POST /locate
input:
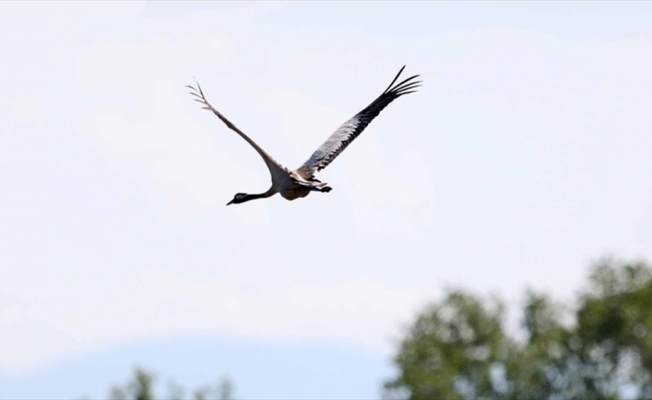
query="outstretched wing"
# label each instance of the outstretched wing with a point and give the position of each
(352, 128)
(274, 167)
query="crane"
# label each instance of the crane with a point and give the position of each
(300, 182)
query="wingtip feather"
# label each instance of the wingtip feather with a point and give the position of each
(395, 78)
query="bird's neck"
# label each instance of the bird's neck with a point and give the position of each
(250, 197)
(259, 195)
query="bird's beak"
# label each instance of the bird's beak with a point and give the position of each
(230, 202)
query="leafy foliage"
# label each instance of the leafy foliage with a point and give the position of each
(141, 387)
(459, 349)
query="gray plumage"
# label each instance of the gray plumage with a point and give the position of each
(352, 128)
(300, 182)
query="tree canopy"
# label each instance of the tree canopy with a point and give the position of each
(458, 348)
(141, 387)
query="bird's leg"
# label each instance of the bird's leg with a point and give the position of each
(314, 184)
(321, 187)
(324, 188)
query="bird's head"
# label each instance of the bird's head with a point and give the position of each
(239, 198)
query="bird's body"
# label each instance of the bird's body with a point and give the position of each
(296, 184)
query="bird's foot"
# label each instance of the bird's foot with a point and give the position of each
(325, 189)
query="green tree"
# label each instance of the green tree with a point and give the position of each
(141, 387)
(614, 327)
(459, 349)
(453, 350)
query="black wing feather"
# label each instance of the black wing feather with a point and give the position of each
(352, 128)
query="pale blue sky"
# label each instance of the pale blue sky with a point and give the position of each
(524, 157)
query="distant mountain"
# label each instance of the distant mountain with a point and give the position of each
(260, 370)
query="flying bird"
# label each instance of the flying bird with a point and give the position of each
(300, 182)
